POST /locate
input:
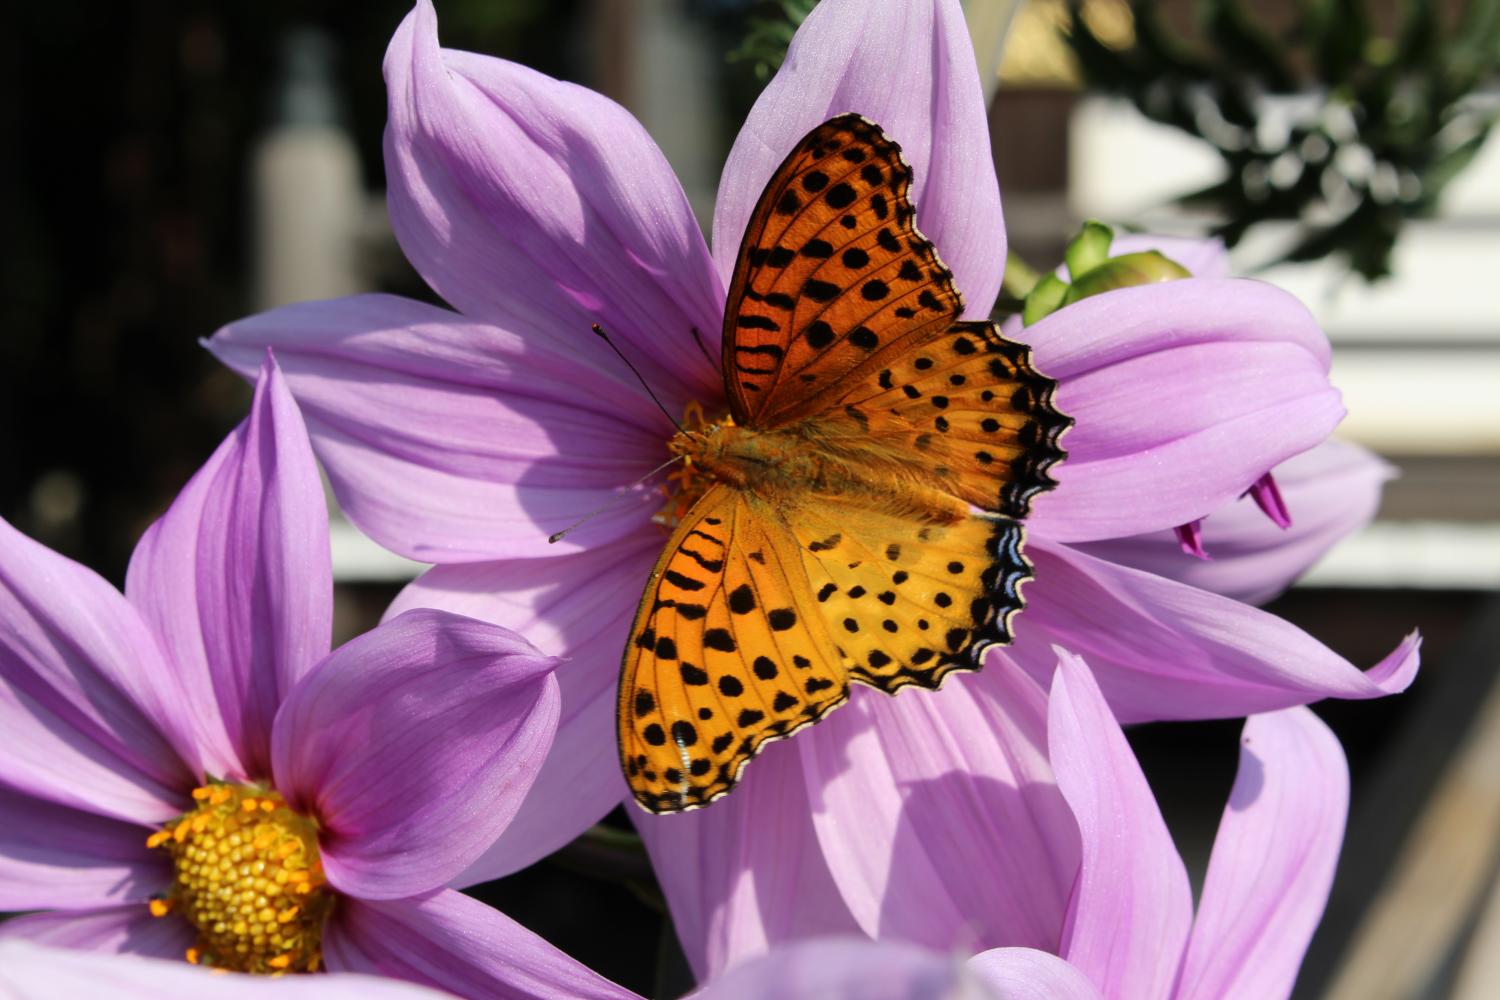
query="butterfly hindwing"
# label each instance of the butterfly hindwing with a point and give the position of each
(909, 602)
(728, 652)
(832, 269)
(966, 406)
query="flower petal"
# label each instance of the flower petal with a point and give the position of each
(414, 745)
(910, 69)
(91, 715)
(452, 942)
(129, 929)
(576, 607)
(451, 440)
(1163, 650)
(1131, 909)
(1183, 394)
(1028, 974)
(848, 969)
(541, 206)
(747, 873)
(938, 815)
(35, 972)
(1273, 861)
(1331, 491)
(54, 857)
(236, 579)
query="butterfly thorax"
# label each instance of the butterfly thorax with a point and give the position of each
(785, 464)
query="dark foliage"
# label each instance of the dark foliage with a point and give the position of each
(1396, 118)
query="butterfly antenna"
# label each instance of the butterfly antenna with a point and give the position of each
(599, 330)
(698, 339)
(557, 536)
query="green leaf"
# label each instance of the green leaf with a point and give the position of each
(1247, 45)
(1338, 31)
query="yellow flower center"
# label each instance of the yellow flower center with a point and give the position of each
(249, 878)
(686, 482)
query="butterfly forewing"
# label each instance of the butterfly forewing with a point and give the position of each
(728, 652)
(831, 271)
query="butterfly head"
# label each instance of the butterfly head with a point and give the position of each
(701, 443)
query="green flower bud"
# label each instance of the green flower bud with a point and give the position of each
(1089, 248)
(1045, 297)
(1146, 268)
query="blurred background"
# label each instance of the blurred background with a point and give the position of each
(176, 165)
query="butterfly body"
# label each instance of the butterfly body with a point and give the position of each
(855, 518)
(786, 468)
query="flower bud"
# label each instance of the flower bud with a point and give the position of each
(1146, 268)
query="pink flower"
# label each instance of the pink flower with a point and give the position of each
(1110, 893)
(1334, 489)
(188, 770)
(537, 208)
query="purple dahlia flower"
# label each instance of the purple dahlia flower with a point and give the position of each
(465, 437)
(1254, 549)
(1109, 894)
(188, 769)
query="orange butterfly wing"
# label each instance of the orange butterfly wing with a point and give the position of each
(831, 272)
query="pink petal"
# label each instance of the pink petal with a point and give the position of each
(910, 69)
(1332, 491)
(452, 942)
(848, 969)
(448, 439)
(1272, 863)
(1183, 394)
(91, 715)
(1163, 650)
(54, 857)
(543, 207)
(938, 816)
(576, 607)
(747, 873)
(129, 929)
(1028, 974)
(414, 745)
(34, 972)
(1131, 909)
(237, 582)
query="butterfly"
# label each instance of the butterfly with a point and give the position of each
(856, 516)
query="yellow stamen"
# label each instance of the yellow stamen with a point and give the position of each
(241, 849)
